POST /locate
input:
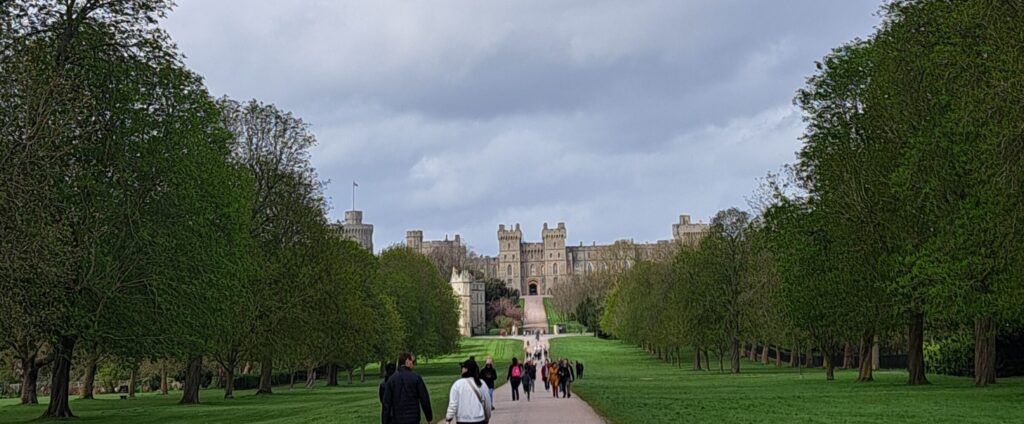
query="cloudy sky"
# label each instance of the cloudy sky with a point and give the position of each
(454, 116)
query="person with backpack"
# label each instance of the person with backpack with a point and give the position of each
(515, 376)
(467, 403)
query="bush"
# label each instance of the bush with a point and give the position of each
(252, 381)
(493, 332)
(953, 355)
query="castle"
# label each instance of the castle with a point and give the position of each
(354, 229)
(534, 268)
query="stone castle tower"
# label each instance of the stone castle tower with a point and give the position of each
(354, 229)
(470, 295)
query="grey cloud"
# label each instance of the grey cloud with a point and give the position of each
(457, 116)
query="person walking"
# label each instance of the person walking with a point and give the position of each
(565, 377)
(515, 376)
(544, 375)
(529, 378)
(389, 370)
(405, 394)
(489, 375)
(579, 370)
(553, 378)
(467, 403)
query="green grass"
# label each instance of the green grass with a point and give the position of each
(356, 403)
(554, 317)
(626, 385)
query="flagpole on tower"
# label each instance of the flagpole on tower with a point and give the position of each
(354, 185)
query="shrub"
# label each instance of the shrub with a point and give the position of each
(953, 355)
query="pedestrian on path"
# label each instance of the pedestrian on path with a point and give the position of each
(467, 403)
(489, 375)
(544, 375)
(579, 370)
(529, 375)
(553, 377)
(515, 376)
(405, 394)
(565, 377)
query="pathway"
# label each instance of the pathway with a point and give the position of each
(542, 407)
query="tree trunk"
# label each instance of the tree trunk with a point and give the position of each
(778, 357)
(721, 361)
(247, 368)
(362, 374)
(89, 385)
(847, 356)
(915, 350)
(291, 382)
(332, 375)
(753, 352)
(229, 381)
(132, 380)
(764, 354)
(60, 407)
(794, 356)
(984, 351)
(350, 370)
(193, 379)
(163, 378)
(829, 365)
(735, 357)
(311, 378)
(696, 358)
(29, 380)
(266, 374)
(867, 366)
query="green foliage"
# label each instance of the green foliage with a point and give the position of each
(952, 355)
(356, 403)
(624, 384)
(424, 301)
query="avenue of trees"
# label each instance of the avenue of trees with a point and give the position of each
(900, 221)
(148, 227)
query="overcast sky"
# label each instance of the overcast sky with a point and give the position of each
(455, 116)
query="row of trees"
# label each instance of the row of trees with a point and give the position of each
(900, 216)
(142, 219)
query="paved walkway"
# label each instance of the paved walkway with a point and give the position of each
(534, 316)
(542, 407)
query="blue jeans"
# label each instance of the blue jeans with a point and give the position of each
(490, 392)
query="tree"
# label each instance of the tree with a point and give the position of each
(424, 301)
(273, 147)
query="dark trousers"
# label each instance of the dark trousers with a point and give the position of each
(515, 388)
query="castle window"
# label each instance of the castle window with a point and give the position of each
(554, 269)
(556, 280)
(509, 272)
(532, 270)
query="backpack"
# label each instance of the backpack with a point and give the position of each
(517, 371)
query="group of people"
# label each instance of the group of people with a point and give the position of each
(559, 375)
(471, 398)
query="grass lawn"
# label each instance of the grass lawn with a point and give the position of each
(626, 385)
(554, 317)
(357, 403)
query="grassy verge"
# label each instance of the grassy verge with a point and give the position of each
(555, 317)
(355, 403)
(626, 385)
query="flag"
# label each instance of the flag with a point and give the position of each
(355, 184)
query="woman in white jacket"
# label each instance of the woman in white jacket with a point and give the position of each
(468, 402)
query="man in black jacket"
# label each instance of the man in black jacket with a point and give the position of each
(405, 394)
(488, 374)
